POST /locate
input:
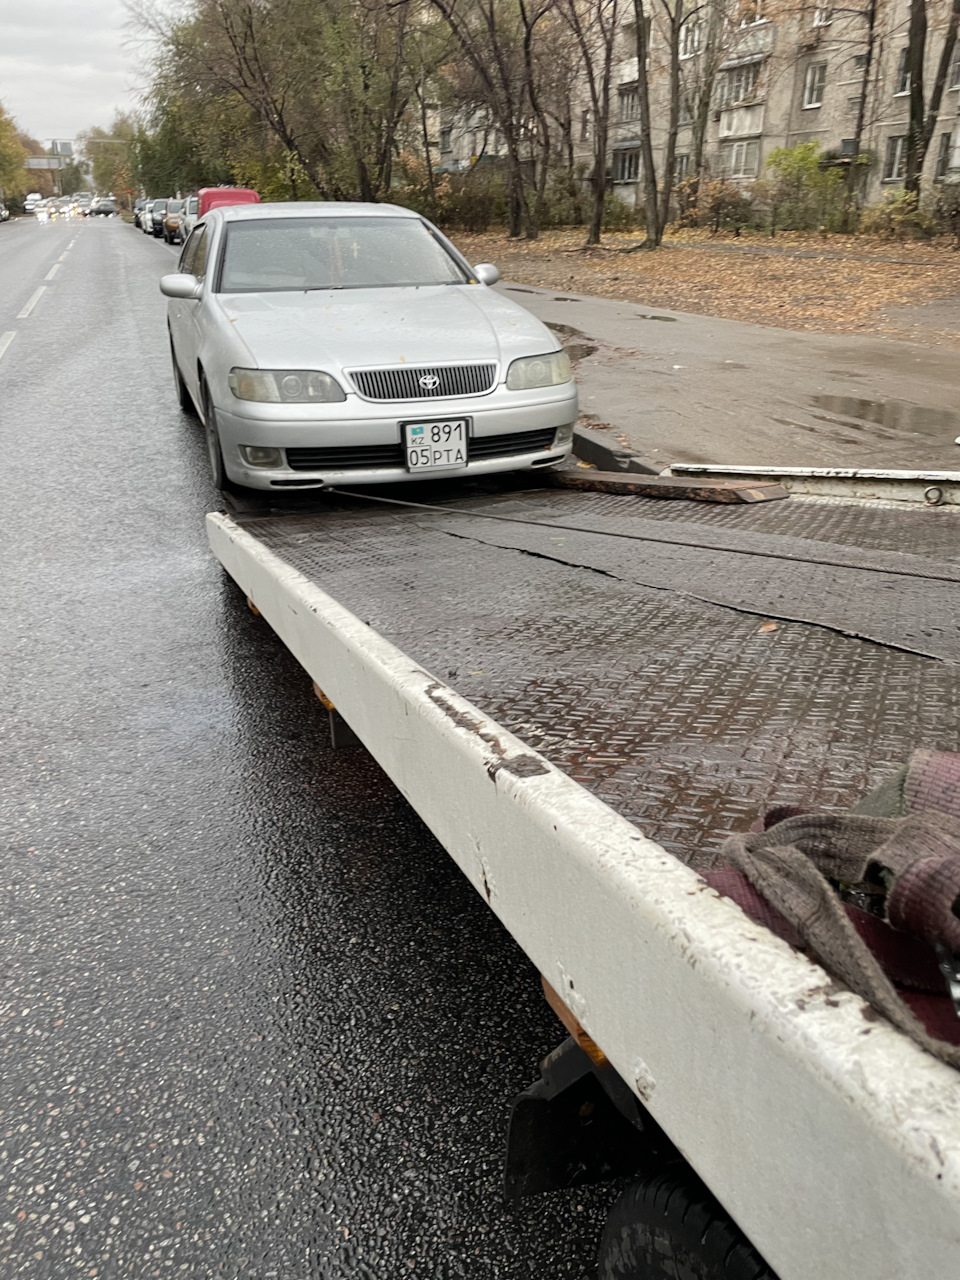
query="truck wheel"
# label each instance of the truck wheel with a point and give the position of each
(669, 1225)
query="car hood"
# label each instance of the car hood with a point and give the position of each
(334, 330)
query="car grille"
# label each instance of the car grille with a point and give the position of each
(392, 455)
(407, 384)
(361, 455)
(503, 446)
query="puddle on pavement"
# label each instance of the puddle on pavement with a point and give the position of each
(665, 319)
(565, 330)
(579, 351)
(900, 415)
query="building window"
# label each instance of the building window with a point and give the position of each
(740, 159)
(445, 138)
(853, 106)
(751, 12)
(681, 168)
(691, 37)
(895, 159)
(737, 84)
(629, 102)
(822, 17)
(903, 75)
(626, 164)
(953, 77)
(860, 60)
(943, 158)
(585, 126)
(813, 83)
(685, 111)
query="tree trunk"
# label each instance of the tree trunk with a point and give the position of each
(669, 159)
(851, 175)
(646, 141)
(916, 52)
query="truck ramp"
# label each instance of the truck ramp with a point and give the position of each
(686, 663)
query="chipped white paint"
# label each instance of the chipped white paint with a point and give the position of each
(832, 1139)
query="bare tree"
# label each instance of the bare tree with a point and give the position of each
(924, 113)
(594, 24)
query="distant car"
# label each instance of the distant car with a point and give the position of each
(325, 342)
(146, 218)
(32, 201)
(189, 215)
(219, 197)
(104, 208)
(138, 208)
(4, 213)
(171, 222)
(154, 225)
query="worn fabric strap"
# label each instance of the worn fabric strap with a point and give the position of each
(789, 863)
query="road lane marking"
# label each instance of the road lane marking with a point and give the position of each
(5, 340)
(52, 272)
(22, 315)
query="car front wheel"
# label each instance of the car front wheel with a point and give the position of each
(218, 472)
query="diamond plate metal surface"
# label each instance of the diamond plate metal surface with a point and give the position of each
(682, 715)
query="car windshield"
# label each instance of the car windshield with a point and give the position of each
(174, 206)
(333, 253)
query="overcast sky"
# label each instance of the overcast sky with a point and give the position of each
(63, 65)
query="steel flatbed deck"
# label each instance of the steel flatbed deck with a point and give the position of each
(582, 695)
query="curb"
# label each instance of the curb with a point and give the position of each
(595, 447)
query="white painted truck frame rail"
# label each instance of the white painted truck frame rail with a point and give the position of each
(830, 1138)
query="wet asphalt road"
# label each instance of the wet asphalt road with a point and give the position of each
(254, 1022)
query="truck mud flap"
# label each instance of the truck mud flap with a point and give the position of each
(578, 1124)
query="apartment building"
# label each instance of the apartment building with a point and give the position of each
(778, 75)
(774, 73)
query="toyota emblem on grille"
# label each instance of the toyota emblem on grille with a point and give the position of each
(429, 381)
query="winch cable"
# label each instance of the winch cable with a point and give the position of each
(836, 563)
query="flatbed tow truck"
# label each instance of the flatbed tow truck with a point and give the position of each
(583, 694)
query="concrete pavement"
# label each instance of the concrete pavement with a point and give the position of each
(677, 387)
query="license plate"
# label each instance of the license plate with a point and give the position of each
(436, 446)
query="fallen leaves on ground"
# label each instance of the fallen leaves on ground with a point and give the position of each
(837, 284)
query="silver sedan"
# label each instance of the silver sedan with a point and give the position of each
(321, 343)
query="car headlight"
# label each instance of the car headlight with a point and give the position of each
(539, 371)
(285, 386)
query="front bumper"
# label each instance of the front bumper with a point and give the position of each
(364, 424)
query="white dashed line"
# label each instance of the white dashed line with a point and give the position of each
(5, 340)
(22, 315)
(52, 272)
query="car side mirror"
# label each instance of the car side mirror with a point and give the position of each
(486, 273)
(181, 285)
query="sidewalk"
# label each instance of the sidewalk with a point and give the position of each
(677, 387)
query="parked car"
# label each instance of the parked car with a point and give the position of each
(154, 220)
(4, 213)
(31, 202)
(146, 218)
(171, 222)
(189, 216)
(328, 342)
(219, 197)
(138, 208)
(104, 208)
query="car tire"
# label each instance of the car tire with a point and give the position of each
(218, 472)
(184, 398)
(668, 1225)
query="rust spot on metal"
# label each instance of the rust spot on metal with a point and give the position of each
(524, 765)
